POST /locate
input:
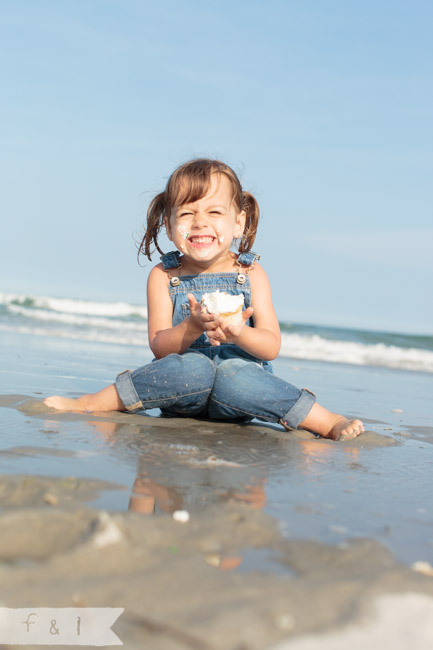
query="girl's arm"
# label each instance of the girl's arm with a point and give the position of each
(165, 339)
(264, 339)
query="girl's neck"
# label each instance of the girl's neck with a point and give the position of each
(219, 265)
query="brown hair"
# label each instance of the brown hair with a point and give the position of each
(189, 183)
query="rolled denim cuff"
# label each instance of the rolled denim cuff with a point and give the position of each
(299, 410)
(127, 392)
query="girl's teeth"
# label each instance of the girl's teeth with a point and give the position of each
(202, 240)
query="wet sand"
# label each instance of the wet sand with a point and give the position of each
(292, 542)
(179, 583)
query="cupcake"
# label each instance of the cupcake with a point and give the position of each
(228, 306)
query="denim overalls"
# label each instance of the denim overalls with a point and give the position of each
(217, 382)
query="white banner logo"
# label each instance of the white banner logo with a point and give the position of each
(59, 626)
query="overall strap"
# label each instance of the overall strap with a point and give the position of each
(245, 259)
(248, 259)
(170, 260)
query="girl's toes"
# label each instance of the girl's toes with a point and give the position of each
(352, 430)
(60, 403)
(52, 401)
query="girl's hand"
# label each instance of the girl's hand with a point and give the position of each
(201, 319)
(226, 333)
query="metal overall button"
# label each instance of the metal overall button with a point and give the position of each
(175, 281)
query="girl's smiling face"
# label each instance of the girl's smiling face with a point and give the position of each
(204, 230)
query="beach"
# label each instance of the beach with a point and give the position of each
(289, 542)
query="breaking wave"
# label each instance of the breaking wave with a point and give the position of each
(123, 323)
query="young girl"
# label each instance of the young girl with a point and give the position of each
(203, 366)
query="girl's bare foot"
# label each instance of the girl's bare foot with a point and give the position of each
(345, 429)
(64, 404)
(331, 425)
(106, 399)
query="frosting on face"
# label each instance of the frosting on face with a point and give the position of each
(203, 252)
(182, 229)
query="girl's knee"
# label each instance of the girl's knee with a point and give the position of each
(234, 388)
(235, 376)
(194, 369)
(236, 369)
(231, 366)
(198, 366)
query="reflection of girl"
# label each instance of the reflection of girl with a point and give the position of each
(204, 366)
(190, 490)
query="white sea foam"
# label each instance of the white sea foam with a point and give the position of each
(73, 319)
(315, 347)
(71, 306)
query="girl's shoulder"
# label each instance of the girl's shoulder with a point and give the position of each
(157, 270)
(259, 279)
(158, 276)
(157, 289)
(257, 270)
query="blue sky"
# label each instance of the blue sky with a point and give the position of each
(324, 107)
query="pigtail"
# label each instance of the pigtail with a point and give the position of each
(252, 211)
(155, 221)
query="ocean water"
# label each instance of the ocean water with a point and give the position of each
(125, 324)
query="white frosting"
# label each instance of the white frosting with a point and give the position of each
(220, 302)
